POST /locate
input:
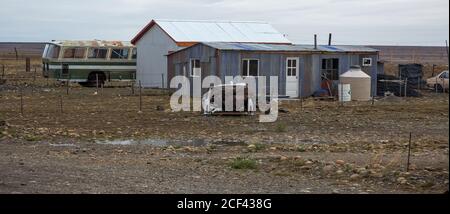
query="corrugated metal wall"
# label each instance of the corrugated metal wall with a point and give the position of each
(346, 60)
(270, 64)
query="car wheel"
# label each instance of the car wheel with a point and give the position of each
(438, 88)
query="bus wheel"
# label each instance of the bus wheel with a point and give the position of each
(84, 84)
(92, 79)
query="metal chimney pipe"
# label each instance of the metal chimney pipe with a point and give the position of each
(329, 39)
(315, 41)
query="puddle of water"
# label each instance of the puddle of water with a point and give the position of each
(311, 142)
(62, 144)
(196, 143)
(159, 142)
(133, 142)
(231, 143)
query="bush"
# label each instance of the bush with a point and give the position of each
(280, 127)
(31, 138)
(243, 163)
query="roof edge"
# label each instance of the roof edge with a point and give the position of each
(143, 31)
(154, 22)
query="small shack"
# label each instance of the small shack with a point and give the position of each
(301, 69)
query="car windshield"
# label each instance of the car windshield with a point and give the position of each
(444, 75)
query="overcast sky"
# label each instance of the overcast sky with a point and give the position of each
(389, 22)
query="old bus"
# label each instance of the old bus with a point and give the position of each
(89, 62)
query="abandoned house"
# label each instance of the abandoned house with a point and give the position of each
(160, 37)
(301, 69)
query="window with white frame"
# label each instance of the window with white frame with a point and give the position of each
(195, 68)
(292, 67)
(250, 67)
(367, 62)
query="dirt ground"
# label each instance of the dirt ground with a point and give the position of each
(88, 142)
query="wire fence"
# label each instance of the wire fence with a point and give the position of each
(26, 82)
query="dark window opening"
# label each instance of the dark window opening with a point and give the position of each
(74, 53)
(65, 69)
(97, 53)
(134, 53)
(195, 68)
(250, 67)
(119, 54)
(330, 69)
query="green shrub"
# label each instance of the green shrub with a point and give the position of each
(243, 163)
(281, 127)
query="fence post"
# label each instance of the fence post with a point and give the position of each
(34, 75)
(406, 85)
(21, 100)
(17, 54)
(436, 85)
(61, 104)
(27, 64)
(96, 83)
(162, 80)
(443, 85)
(409, 152)
(67, 88)
(301, 98)
(140, 96)
(133, 81)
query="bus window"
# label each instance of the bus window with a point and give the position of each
(119, 54)
(44, 54)
(97, 53)
(134, 53)
(77, 53)
(52, 51)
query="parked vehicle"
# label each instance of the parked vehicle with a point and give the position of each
(439, 82)
(210, 107)
(89, 62)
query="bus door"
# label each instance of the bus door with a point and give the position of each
(65, 71)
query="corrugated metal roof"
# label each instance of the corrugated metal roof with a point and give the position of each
(258, 47)
(92, 43)
(217, 31)
(346, 48)
(279, 47)
(230, 46)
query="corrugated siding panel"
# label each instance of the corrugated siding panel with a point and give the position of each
(270, 64)
(306, 74)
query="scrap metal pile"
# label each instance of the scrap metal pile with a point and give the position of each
(389, 83)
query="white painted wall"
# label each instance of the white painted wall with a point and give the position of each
(152, 60)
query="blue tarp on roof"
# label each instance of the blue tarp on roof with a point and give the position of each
(286, 48)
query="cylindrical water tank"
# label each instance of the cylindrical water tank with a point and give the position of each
(345, 93)
(360, 83)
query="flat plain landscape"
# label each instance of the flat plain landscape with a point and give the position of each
(88, 142)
